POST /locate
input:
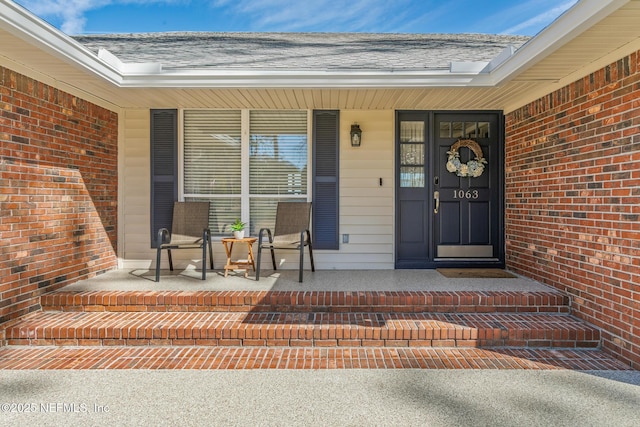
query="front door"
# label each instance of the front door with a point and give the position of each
(449, 189)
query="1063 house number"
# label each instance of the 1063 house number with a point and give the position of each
(465, 194)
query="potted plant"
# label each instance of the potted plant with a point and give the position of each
(238, 229)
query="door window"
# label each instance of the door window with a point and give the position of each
(412, 154)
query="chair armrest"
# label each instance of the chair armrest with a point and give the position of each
(206, 235)
(304, 241)
(261, 236)
(163, 237)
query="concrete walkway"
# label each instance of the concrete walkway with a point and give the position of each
(320, 398)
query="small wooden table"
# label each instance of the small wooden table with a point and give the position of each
(239, 264)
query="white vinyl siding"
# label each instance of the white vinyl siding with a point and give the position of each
(135, 198)
(366, 207)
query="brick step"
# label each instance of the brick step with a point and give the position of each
(217, 358)
(309, 301)
(303, 329)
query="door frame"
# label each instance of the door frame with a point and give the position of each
(432, 261)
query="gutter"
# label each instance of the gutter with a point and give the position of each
(296, 79)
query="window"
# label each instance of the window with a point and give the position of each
(244, 162)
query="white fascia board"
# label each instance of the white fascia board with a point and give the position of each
(569, 25)
(28, 27)
(296, 79)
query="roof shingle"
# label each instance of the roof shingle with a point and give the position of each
(302, 51)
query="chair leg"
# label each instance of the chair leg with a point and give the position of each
(204, 260)
(301, 263)
(273, 254)
(313, 267)
(210, 253)
(170, 260)
(260, 238)
(158, 256)
(258, 263)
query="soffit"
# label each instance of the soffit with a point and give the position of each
(613, 33)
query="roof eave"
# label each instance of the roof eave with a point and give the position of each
(23, 24)
(565, 28)
(32, 29)
(26, 26)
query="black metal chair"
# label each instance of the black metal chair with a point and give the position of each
(291, 232)
(189, 230)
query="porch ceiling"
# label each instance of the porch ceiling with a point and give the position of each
(606, 40)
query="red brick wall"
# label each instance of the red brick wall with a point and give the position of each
(573, 199)
(58, 191)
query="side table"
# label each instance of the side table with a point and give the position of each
(239, 264)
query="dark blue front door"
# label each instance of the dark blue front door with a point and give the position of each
(449, 189)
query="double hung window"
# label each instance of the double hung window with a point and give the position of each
(244, 162)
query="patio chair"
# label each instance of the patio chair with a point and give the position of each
(189, 230)
(291, 232)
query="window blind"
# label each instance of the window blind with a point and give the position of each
(277, 163)
(278, 153)
(213, 164)
(212, 152)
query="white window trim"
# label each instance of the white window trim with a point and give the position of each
(245, 136)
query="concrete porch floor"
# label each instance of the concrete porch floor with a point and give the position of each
(287, 280)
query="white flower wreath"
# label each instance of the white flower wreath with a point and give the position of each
(472, 168)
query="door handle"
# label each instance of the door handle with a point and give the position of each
(436, 197)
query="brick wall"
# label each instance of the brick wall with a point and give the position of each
(58, 191)
(573, 198)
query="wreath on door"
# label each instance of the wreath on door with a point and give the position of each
(473, 168)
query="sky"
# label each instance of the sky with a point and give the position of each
(523, 17)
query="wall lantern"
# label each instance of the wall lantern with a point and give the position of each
(356, 135)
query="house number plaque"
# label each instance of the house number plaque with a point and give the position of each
(468, 194)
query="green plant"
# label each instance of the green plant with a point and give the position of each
(237, 225)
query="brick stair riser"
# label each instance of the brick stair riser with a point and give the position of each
(304, 302)
(314, 330)
(310, 343)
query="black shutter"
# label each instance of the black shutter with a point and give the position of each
(326, 148)
(164, 169)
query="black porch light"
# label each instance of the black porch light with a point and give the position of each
(356, 135)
